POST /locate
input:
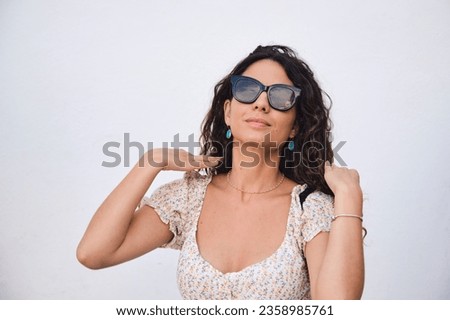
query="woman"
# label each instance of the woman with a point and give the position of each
(270, 219)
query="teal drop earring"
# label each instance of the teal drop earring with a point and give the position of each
(228, 134)
(291, 145)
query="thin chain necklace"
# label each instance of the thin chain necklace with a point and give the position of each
(257, 192)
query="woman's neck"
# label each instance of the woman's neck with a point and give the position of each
(254, 169)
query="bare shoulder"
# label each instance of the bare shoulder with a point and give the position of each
(219, 182)
(288, 185)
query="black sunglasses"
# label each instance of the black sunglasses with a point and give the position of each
(281, 96)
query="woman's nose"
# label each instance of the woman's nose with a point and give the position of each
(262, 103)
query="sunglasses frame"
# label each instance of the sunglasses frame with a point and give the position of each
(262, 88)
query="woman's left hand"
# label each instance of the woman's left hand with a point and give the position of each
(342, 179)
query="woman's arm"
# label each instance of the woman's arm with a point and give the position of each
(336, 259)
(118, 232)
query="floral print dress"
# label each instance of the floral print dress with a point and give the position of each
(282, 275)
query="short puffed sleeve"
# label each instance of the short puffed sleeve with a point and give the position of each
(318, 210)
(176, 203)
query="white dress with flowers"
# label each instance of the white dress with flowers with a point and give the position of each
(283, 275)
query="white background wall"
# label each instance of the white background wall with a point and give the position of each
(77, 74)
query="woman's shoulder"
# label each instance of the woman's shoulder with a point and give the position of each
(197, 175)
(183, 187)
(289, 185)
(306, 198)
(318, 196)
(196, 179)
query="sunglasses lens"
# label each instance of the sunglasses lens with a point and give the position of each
(246, 90)
(281, 98)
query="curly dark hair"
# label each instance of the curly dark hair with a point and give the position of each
(305, 164)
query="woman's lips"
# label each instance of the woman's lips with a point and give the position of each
(257, 122)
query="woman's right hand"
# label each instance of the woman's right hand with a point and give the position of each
(179, 160)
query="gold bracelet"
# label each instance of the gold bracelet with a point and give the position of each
(334, 217)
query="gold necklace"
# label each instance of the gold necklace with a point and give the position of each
(257, 192)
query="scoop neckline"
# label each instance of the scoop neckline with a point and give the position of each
(294, 197)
